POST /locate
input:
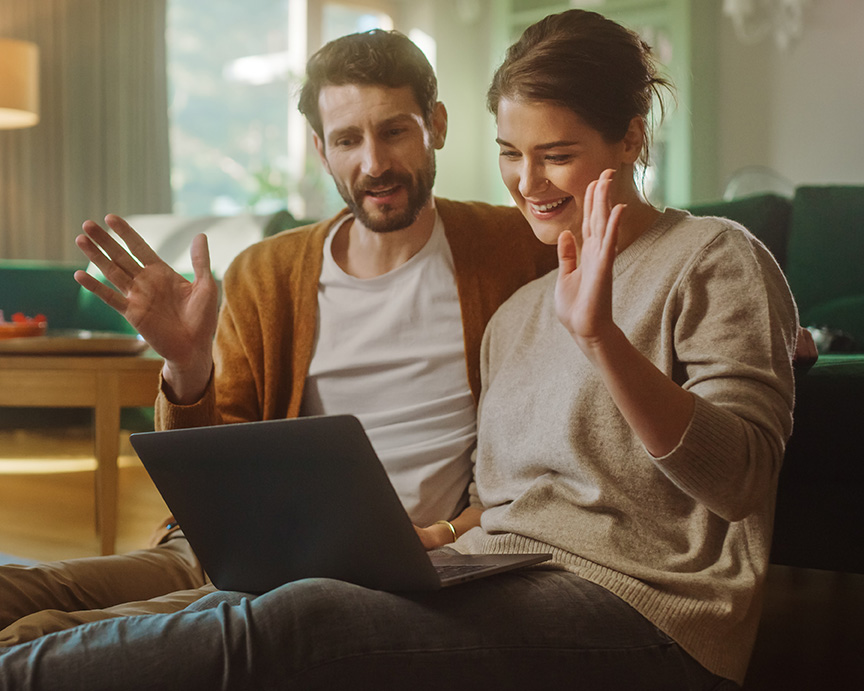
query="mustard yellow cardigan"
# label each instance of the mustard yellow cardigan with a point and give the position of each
(267, 322)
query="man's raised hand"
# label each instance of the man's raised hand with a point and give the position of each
(177, 318)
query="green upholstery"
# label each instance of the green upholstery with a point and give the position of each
(826, 247)
(818, 239)
(95, 315)
(284, 220)
(764, 215)
(49, 288)
(842, 314)
(819, 522)
(40, 288)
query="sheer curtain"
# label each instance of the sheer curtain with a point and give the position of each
(102, 143)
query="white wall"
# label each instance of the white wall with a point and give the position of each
(470, 46)
(798, 112)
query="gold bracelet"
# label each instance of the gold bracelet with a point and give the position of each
(449, 525)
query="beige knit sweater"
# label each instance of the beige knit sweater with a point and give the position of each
(684, 538)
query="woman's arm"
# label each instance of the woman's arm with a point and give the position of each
(655, 407)
(439, 534)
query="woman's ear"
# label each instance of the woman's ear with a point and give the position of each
(634, 140)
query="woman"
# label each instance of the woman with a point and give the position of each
(656, 361)
(634, 411)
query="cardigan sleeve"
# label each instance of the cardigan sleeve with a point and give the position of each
(231, 386)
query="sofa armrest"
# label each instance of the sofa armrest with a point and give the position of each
(844, 314)
(820, 518)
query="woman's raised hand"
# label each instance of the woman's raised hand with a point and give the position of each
(583, 292)
(177, 318)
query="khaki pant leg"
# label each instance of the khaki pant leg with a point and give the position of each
(98, 582)
(49, 621)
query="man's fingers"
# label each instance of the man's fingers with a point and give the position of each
(200, 255)
(109, 247)
(134, 242)
(110, 297)
(109, 268)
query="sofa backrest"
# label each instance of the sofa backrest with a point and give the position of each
(764, 215)
(34, 287)
(826, 250)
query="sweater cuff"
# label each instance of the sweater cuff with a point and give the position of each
(701, 460)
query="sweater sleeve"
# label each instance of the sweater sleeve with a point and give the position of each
(734, 337)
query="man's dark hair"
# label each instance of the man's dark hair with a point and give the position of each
(377, 57)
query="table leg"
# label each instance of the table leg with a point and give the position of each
(106, 428)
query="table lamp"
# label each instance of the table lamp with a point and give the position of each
(19, 84)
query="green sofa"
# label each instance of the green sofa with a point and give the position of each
(35, 287)
(818, 240)
(44, 287)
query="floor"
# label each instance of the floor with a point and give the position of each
(811, 636)
(47, 496)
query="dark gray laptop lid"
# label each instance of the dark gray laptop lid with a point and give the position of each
(265, 503)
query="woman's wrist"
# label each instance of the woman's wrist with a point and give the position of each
(450, 535)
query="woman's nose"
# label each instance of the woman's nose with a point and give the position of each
(532, 181)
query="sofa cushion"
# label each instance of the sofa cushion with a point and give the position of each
(764, 215)
(844, 314)
(826, 244)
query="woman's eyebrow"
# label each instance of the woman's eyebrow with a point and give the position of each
(544, 146)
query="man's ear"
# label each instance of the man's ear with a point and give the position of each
(439, 125)
(322, 153)
(634, 140)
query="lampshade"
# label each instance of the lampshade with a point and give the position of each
(19, 84)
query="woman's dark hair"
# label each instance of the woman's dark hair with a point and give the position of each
(582, 61)
(377, 57)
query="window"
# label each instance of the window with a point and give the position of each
(237, 140)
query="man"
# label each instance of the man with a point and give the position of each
(378, 312)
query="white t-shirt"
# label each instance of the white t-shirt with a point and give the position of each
(391, 351)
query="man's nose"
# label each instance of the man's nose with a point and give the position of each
(376, 159)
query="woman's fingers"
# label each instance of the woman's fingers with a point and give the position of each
(587, 209)
(610, 241)
(567, 257)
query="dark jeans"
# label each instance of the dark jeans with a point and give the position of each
(524, 630)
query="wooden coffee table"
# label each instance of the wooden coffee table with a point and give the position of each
(105, 383)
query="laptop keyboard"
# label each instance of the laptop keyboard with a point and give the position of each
(455, 570)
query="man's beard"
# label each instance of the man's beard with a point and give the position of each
(391, 219)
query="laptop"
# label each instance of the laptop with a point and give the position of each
(267, 503)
